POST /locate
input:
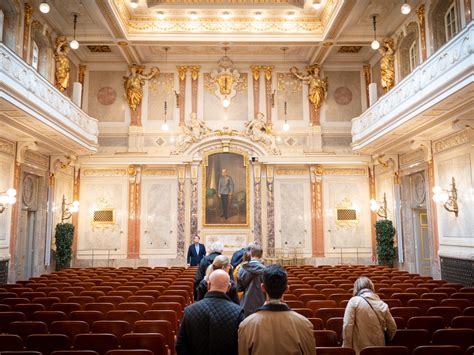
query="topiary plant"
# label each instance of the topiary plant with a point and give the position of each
(385, 232)
(64, 237)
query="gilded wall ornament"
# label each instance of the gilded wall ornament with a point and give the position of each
(258, 131)
(318, 88)
(387, 63)
(61, 75)
(224, 82)
(134, 82)
(194, 132)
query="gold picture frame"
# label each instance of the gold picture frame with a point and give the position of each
(237, 165)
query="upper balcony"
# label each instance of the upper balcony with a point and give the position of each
(31, 108)
(426, 102)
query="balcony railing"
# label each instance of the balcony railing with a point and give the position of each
(448, 70)
(23, 86)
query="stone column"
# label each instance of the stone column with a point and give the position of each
(76, 192)
(256, 88)
(181, 212)
(373, 215)
(13, 228)
(257, 213)
(368, 79)
(81, 78)
(134, 199)
(317, 226)
(434, 214)
(194, 86)
(26, 32)
(420, 12)
(182, 93)
(268, 93)
(270, 209)
(194, 200)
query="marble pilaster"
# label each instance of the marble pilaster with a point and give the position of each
(181, 212)
(268, 93)
(75, 216)
(257, 216)
(256, 88)
(317, 229)
(270, 208)
(13, 229)
(194, 200)
(134, 185)
(182, 93)
(194, 86)
(373, 215)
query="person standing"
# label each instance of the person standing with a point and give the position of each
(275, 328)
(196, 252)
(210, 326)
(249, 279)
(225, 191)
(365, 318)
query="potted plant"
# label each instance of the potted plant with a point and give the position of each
(385, 232)
(64, 237)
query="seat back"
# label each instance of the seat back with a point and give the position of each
(100, 342)
(157, 326)
(462, 337)
(154, 342)
(385, 350)
(325, 337)
(410, 338)
(10, 342)
(47, 343)
(69, 327)
(25, 328)
(437, 350)
(115, 327)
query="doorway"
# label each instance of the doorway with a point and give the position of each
(30, 243)
(422, 242)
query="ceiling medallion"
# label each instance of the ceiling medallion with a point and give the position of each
(122, 43)
(99, 49)
(328, 44)
(349, 49)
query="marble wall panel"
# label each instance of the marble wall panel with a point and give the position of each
(292, 214)
(289, 89)
(344, 96)
(158, 218)
(455, 232)
(237, 111)
(384, 185)
(336, 191)
(160, 89)
(63, 187)
(98, 193)
(106, 100)
(6, 181)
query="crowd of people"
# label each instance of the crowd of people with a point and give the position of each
(239, 309)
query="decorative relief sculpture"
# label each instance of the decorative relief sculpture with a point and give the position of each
(318, 88)
(258, 131)
(61, 75)
(134, 82)
(387, 63)
(192, 133)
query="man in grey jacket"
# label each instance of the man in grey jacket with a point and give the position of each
(249, 279)
(225, 191)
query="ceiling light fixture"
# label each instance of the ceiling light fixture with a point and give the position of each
(193, 15)
(225, 15)
(406, 8)
(44, 7)
(74, 44)
(290, 15)
(316, 5)
(375, 44)
(133, 4)
(258, 15)
(160, 15)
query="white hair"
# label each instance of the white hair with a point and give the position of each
(217, 247)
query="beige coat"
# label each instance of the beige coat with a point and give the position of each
(275, 329)
(361, 327)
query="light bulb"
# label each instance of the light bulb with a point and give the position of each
(226, 102)
(11, 192)
(290, 15)
(134, 4)
(193, 16)
(375, 44)
(437, 190)
(165, 127)
(405, 9)
(172, 139)
(44, 7)
(226, 15)
(436, 198)
(286, 127)
(258, 15)
(75, 203)
(4, 199)
(160, 15)
(74, 44)
(444, 196)
(11, 200)
(316, 5)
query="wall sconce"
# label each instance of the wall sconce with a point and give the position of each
(67, 209)
(379, 207)
(7, 198)
(449, 198)
(176, 96)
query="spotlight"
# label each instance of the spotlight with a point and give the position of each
(226, 15)
(133, 4)
(290, 15)
(316, 5)
(160, 15)
(258, 15)
(193, 15)
(44, 7)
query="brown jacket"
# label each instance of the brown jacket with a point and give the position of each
(275, 329)
(362, 326)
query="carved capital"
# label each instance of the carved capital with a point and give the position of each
(425, 146)
(255, 72)
(82, 73)
(194, 72)
(22, 147)
(420, 12)
(268, 72)
(367, 74)
(316, 173)
(182, 72)
(28, 14)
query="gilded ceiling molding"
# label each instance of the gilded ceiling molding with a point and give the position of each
(452, 141)
(281, 171)
(158, 172)
(344, 171)
(105, 172)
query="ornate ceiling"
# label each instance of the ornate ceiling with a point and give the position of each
(254, 30)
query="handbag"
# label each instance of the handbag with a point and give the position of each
(386, 336)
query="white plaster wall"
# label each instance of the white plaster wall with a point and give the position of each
(335, 190)
(106, 192)
(6, 181)
(384, 184)
(158, 217)
(456, 234)
(293, 213)
(63, 187)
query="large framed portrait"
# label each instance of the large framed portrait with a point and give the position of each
(225, 189)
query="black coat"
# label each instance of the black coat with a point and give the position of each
(201, 271)
(210, 327)
(193, 259)
(232, 293)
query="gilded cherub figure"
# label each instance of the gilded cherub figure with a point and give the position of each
(134, 82)
(387, 63)
(318, 88)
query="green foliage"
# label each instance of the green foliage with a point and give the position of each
(385, 232)
(64, 237)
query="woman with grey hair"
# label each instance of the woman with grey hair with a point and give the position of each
(216, 249)
(367, 319)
